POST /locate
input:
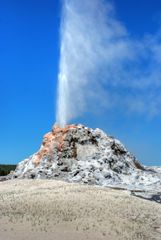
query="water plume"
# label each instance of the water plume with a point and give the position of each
(102, 66)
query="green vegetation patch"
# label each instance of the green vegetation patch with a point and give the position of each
(6, 169)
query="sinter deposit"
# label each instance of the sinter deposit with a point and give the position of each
(76, 153)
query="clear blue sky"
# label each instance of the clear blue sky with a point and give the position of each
(29, 58)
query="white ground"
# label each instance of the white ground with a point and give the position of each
(54, 210)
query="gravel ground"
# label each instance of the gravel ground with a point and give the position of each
(55, 210)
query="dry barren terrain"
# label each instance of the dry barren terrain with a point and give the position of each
(55, 210)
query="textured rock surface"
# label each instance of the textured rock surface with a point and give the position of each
(76, 153)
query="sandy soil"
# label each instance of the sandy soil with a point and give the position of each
(54, 210)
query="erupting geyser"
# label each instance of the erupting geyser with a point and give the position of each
(76, 153)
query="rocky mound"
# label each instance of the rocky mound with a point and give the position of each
(76, 153)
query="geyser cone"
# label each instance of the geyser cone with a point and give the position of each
(78, 153)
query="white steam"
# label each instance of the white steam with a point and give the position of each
(102, 66)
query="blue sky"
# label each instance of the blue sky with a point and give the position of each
(29, 58)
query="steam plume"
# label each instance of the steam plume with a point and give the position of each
(102, 65)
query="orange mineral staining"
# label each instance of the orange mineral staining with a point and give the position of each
(57, 137)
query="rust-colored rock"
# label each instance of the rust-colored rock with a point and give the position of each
(56, 136)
